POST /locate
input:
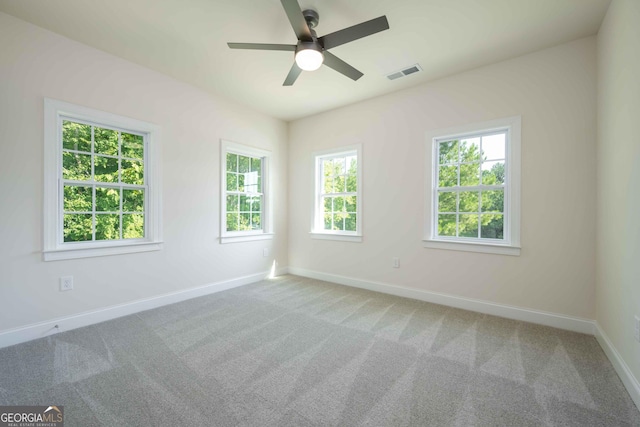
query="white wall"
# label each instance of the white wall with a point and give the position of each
(554, 91)
(618, 238)
(35, 63)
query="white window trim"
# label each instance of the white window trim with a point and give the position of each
(54, 248)
(267, 217)
(317, 231)
(512, 189)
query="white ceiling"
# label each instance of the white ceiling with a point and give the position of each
(186, 39)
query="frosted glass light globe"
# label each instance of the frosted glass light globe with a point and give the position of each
(309, 59)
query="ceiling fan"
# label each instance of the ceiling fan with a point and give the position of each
(311, 51)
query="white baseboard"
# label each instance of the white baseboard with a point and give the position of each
(630, 382)
(50, 327)
(560, 321)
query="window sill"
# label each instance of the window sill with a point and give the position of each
(74, 253)
(340, 237)
(472, 247)
(246, 238)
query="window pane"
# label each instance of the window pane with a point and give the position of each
(78, 198)
(76, 136)
(232, 182)
(256, 204)
(232, 162)
(76, 166)
(470, 150)
(232, 222)
(132, 146)
(77, 228)
(468, 226)
(240, 182)
(470, 163)
(327, 168)
(102, 174)
(350, 222)
(352, 165)
(327, 221)
(470, 174)
(133, 226)
(251, 182)
(243, 164)
(493, 201)
(493, 147)
(351, 203)
(133, 200)
(107, 227)
(256, 165)
(328, 184)
(106, 141)
(469, 201)
(447, 201)
(244, 204)
(448, 176)
(493, 173)
(492, 226)
(328, 204)
(245, 221)
(448, 152)
(339, 175)
(133, 172)
(107, 199)
(232, 203)
(447, 225)
(106, 169)
(352, 183)
(256, 221)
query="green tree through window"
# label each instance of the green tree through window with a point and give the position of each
(339, 192)
(337, 199)
(103, 183)
(244, 192)
(470, 186)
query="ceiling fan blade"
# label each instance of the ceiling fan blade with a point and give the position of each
(263, 46)
(332, 61)
(299, 24)
(293, 75)
(354, 33)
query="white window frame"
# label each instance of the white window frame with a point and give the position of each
(317, 215)
(267, 210)
(54, 246)
(512, 188)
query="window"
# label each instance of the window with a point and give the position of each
(337, 212)
(101, 187)
(475, 188)
(245, 193)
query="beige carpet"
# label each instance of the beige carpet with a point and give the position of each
(299, 352)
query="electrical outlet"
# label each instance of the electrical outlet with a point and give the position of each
(265, 252)
(396, 262)
(66, 283)
(637, 329)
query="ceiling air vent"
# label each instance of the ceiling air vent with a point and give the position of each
(405, 72)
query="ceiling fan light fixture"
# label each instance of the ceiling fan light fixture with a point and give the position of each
(309, 56)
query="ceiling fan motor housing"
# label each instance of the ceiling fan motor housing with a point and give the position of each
(314, 45)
